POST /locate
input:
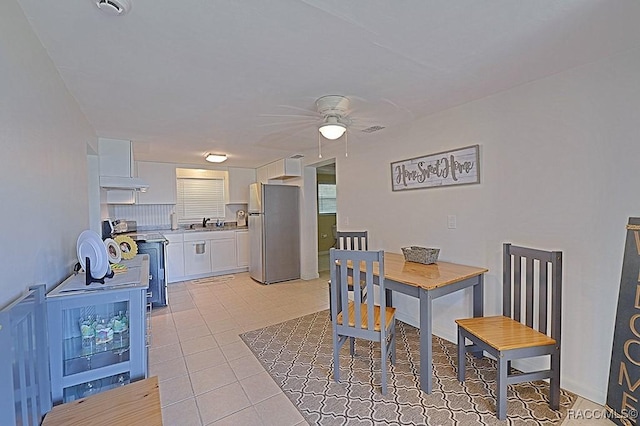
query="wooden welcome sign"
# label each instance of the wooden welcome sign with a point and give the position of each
(457, 167)
(623, 396)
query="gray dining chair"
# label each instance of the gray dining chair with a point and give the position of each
(350, 240)
(356, 318)
(528, 327)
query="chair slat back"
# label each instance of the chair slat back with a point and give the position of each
(352, 240)
(531, 290)
(361, 265)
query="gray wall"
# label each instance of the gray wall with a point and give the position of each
(559, 161)
(43, 166)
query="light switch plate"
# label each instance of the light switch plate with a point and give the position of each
(451, 221)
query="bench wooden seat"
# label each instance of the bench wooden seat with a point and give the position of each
(504, 333)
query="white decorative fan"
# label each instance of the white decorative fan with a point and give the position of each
(332, 117)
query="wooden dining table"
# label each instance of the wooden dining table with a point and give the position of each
(426, 283)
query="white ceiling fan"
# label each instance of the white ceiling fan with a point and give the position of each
(335, 116)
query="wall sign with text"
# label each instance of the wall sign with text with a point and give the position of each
(623, 394)
(457, 167)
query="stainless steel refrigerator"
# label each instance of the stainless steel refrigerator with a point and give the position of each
(274, 233)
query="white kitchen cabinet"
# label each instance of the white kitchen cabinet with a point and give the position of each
(161, 178)
(242, 248)
(262, 174)
(175, 257)
(239, 181)
(121, 196)
(223, 253)
(282, 169)
(115, 157)
(197, 253)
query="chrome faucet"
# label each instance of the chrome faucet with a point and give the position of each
(204, 222)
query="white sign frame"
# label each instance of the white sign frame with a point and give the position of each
(455, 167)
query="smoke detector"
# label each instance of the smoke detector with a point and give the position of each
(114, 7)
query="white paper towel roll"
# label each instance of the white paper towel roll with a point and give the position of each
(174, 221)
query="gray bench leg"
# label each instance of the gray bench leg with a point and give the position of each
(501, 391)
(554, 382)
(461, 356)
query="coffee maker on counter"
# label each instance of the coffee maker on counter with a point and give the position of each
(241, 218)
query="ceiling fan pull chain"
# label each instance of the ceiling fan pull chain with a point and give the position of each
(319, 146)
(346, 142)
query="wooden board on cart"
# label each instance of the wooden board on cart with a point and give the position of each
(137, 403)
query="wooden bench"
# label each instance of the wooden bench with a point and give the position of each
(137, 403)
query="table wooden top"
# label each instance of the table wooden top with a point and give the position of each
(424, 276)
(137, 403)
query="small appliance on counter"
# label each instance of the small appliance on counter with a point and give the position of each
(241, 218)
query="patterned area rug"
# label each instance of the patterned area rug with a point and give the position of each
(298, 355)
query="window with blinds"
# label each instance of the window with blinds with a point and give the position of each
(199, 198)
(327, 202)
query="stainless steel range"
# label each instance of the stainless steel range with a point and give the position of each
(154, 244)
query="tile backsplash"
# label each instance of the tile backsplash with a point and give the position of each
(155, 215)
(159, 215)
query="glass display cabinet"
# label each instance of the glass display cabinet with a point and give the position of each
(98, 333)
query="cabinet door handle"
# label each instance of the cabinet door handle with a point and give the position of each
(200, 247)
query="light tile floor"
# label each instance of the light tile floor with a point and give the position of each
(207, 374)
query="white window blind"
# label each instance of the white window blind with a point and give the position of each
(327, 202)
(199, 198)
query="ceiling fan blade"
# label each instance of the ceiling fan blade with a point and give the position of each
(375, 114)
(288, 125)
(296, 108)
(315, 116)
(291, 139)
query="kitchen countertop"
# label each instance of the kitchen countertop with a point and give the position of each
(201, 229)
(137, 275)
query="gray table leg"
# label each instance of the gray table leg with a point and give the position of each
(478, 297)
(478, 306)
(426, 344)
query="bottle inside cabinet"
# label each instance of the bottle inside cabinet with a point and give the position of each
(95, 336)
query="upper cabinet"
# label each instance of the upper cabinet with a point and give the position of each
(161, 178)
(282, 169)
(239, 181)
(115, 157)
(116, 167)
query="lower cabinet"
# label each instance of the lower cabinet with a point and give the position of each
(97, 340)
(175, 258)
(242, 248)
(208, 253)
(223, 254)
(197, 257)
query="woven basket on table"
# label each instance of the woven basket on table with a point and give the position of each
(420, 254)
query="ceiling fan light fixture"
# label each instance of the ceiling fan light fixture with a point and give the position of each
(332, 129)
(216, 158)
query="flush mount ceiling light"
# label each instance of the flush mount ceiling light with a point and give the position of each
(332, 128)
(215, 158)
(114, 7)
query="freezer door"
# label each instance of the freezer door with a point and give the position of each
(256, 260)
(281, 233)
(255, 198)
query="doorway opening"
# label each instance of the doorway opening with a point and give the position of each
(327, 209)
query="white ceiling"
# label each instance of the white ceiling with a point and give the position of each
(181, 78)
